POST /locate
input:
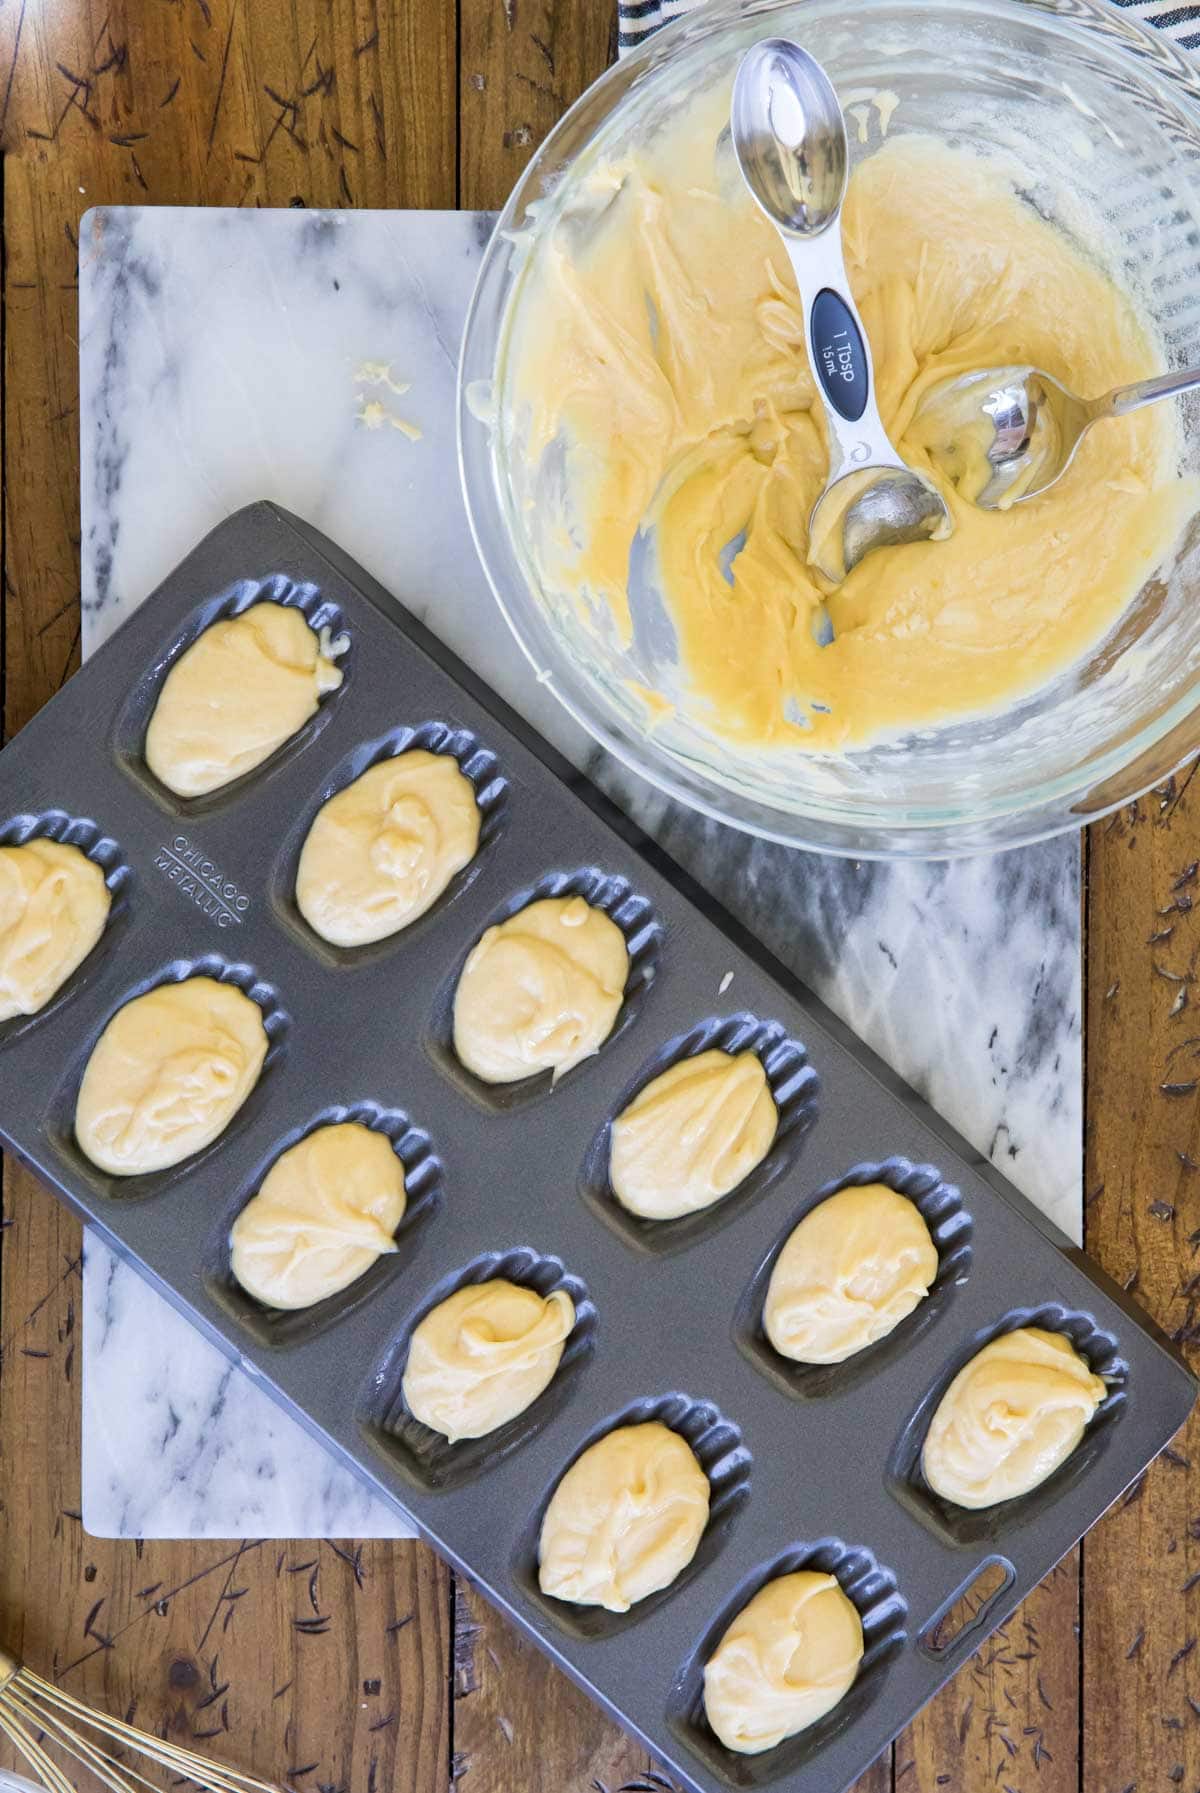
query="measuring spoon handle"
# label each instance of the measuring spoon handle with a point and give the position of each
(840, 354)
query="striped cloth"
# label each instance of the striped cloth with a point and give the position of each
(638, 18)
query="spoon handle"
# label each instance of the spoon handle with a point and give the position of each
(840, 353)
(1146, 392)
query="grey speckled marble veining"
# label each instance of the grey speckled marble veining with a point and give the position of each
(227, 356)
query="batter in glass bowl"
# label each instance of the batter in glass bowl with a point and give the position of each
(659, 391)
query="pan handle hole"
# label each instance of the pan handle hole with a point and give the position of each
(967, 1612)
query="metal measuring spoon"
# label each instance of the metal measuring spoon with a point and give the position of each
(790, 140)
(1005, 434)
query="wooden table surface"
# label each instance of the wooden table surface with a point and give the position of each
(408, 1682)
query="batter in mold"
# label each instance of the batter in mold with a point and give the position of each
(240, 691)
(326, 1210)
(168, 1074)
(53, 907)
(540, 991)
(384, 849)
(1010, 1418)
(484, 1355)
(659, 392)
(855, 1266)
(692, 1135)
(787, 1659)
(625, 1520)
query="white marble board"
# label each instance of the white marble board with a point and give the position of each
(233, 355)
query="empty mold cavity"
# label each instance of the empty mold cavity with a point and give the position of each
(133, 718)
(477, 763)
(89, 837)
(884, 1615)
(793, 1084)
(940, 1205)
(973, 1526)
(423, 1188)
(426, 1457)
(60, 1120)
(633, 914)
(725, 1460)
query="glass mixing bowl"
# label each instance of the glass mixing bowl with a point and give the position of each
(1105, 116)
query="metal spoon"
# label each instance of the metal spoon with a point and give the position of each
(790, 140)
(1005, 434)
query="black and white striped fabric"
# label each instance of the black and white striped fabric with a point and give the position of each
(637, 19)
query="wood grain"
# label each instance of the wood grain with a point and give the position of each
(364, 1668)
(521, 64)
(519, 1723)
(1141, 1565)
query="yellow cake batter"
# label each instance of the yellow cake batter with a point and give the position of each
(241, 690)
(660, 341)
(382, 851)
(856, 1265)
(692, 1135)
(1010, 1418)
(328, 1207)
(53, 907)
(785, 1661)
(168, 1074)
(540, 991)
(484, 1355)
(625, 1519)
